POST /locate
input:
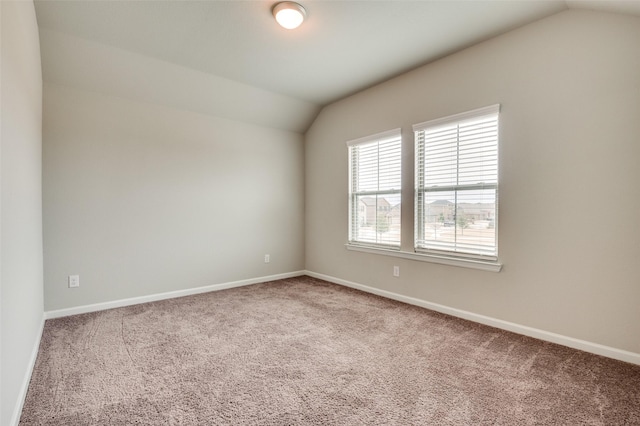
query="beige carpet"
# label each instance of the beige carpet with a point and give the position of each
(303, 351)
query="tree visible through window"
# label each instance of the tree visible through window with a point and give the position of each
(374, 189)
(457, 184)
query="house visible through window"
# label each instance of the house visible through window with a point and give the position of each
(457, 184)
(374, 190)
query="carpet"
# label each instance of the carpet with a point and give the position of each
(302, 351)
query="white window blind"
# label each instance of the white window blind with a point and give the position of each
(457, 184)
(374, 189)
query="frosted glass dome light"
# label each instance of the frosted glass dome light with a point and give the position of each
(289, 14)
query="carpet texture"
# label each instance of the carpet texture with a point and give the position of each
(303, 351)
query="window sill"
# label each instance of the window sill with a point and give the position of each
(442, 260)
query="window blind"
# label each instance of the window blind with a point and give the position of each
(375, 189)
(457, 184)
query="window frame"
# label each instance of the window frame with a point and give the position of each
(421, 189)
(354, 194)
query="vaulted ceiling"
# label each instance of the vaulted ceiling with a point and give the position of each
(230, 58)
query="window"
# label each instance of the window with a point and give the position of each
(374, 190)
(457, 184)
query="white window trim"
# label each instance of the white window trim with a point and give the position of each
(452, 257)
(378, 136)
(389, 134)
(491, 109)
(441, 260)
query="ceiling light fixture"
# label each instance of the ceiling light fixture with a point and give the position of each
(289, 14)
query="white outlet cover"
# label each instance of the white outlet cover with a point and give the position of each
(74, 281)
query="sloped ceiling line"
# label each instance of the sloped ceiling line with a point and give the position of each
(230, 58)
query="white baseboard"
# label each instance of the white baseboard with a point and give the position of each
(571, 342)
(22, 394)
(162, 296)
(582, 345)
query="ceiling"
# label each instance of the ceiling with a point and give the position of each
(343, 46)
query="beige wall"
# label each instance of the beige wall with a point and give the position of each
(21, 300)
(95, 67)
(569, 87)
(142, 199)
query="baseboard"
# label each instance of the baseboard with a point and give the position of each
(582, 345)
(162, 296)
(571, 342)
(22, 395)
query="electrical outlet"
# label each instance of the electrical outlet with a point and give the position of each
(267, 258)
(74, 281)
(396, 271)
